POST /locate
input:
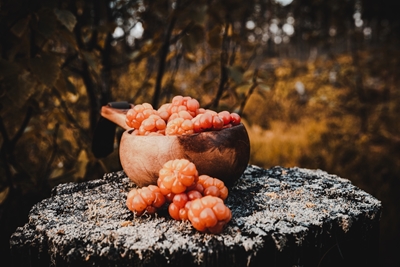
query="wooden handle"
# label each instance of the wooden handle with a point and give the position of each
(103, 138)
(116, 112)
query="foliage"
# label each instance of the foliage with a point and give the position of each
(61, 61)
(332, 127)
(335, 108)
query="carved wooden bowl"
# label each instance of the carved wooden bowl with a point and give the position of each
(221, 154)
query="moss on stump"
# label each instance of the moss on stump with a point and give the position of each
(280, 217)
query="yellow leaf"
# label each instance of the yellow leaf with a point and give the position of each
(4, 194)
(81, 164)
(190, 57)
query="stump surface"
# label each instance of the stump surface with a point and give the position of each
(280, 217)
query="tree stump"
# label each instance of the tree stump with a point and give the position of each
(280, 217)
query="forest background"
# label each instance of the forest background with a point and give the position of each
(316, 83)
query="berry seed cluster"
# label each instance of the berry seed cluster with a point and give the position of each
(199, 199)
(180, 117)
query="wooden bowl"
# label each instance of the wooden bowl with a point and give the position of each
(220, 154)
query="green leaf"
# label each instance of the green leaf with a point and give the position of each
(66, 18)
(46, 68)
(19, 28)
(235, 73)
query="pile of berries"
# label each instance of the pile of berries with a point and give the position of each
(199, 199)
(180, 117)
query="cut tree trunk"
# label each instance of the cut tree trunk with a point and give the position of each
(280, 217)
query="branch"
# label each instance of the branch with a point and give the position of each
(69, 60)
(252, 58)
(3, 132)
(53, 153)
(70, 117)
(147, 77)
(223, 62)
(9, 145)
(182, 33)
(172, 76)
(3, 152)
(250, 92)
(21, 129)
(163, 55)
(86, 76)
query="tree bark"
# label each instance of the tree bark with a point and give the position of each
(280, 217)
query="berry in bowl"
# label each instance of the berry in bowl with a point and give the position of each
(216, 142)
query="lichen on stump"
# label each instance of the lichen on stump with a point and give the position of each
(280, 217)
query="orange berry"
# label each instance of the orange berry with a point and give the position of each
(176, 175)
(235, 118)
(209, 214)
(178, 209)
(213, 186)
(193, 105)
(179, 126)
(196, 187)
(138, 113)
(206, 121)
(218, 123)
(225, 116)
(143, 199)
(154, 123)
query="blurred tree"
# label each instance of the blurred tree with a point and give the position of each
(60, 61)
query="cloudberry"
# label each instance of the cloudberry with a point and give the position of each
(209, 214)
(196, 187)
(225, 116)
(235, 118)
(176, 175)
(187, 103)
(143, 199)
(213, 187)
(138, 113)
(209, 120)
(181, 114)
(179, 126)
(178, 209)
(163, 111)
(154, 123)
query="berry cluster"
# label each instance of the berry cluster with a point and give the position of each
(199, 199)
(143, 199)
(182, 116)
